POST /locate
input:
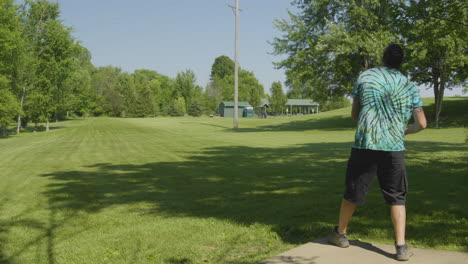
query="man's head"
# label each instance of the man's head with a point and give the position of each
(393, 56)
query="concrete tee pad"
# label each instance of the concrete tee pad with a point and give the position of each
(320, 252)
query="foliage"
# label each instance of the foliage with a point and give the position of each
(79, 99)
(334, 103)
(437, 37)
(221, 87)
(185, 85)
(104, 83)
(195, 108)
(278, 99)
(54, 52)
(222, 66)
(178, 107)
(328, 42)
(9, 106)
(14, 62)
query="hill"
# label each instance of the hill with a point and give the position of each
(454, 112)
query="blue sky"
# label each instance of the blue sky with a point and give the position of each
(170, 36)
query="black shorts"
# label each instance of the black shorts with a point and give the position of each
(389, 166)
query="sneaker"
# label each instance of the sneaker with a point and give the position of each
(338, 239)
(402, 252)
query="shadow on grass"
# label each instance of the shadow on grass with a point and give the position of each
(46, 237)
(336, 123)
(296, 190)
(28, 130)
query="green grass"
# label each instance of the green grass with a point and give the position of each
(192, 190)
(454, 112)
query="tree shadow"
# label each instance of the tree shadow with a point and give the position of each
(336, 123)
(28, 130)
(292, 260)
(296, 190)
(46, 238)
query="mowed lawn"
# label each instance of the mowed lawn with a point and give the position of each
(192, 190)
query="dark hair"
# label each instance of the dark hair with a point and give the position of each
(393, 56)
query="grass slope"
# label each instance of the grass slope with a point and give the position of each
(454, 112)
(191, 190)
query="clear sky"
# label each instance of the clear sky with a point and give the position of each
(170, 36)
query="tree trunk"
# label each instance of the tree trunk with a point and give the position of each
(18, 126)
(35, 126)
(47, 126)
(56, 116)
(440, 97)
(436, 83)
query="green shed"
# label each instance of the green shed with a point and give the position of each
(226, 109)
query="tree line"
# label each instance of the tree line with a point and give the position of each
(329, 42)
(46, 75)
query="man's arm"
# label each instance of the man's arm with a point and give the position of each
(420, 122)
(356, 108)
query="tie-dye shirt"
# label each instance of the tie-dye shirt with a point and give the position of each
(387, 101)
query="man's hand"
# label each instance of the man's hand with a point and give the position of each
(420, 122)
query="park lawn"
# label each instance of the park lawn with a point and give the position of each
(192, 190)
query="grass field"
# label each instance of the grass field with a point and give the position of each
(192, 190)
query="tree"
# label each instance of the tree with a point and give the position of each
(212, 97)
(185, 85)
(222, 67)
(13, 52)
(178, 107)
(437, 38)
(278, 100)
(195, 108)
(108, 99)
(80, 95)
(329, 42)
(9, 106)
(126, 87)
(147, 87)
(166, 94)
(53, 48)
(221, 86)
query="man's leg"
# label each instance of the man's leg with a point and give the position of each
(338, 236)
(398, 213)
(346, 211)
(359, 175)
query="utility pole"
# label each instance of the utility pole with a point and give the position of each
(236, 68)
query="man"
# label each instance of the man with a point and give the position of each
(384, 100)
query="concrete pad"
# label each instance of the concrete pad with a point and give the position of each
(320, 252)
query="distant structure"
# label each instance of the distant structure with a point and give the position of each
(293, 107)
(302, 106)
(226, 109)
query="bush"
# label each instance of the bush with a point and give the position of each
(195, 109)
(177, 107)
